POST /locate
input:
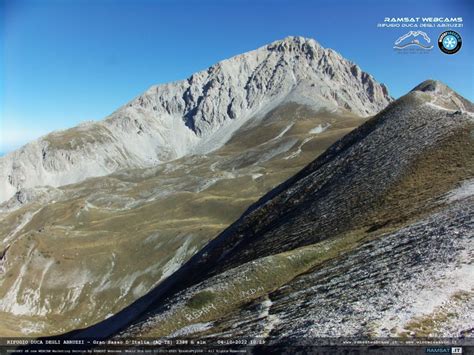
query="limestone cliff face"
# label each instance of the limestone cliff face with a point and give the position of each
(196, 115)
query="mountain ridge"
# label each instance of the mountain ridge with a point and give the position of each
(340, 147)
(196, 115)
(289, 227)
(340, 200)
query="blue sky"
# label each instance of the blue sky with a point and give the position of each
(66, 61)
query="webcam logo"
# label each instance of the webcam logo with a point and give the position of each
(414, 38)
(450, 42)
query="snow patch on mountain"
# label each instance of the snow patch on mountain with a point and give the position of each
(319, 129)
(464, 191)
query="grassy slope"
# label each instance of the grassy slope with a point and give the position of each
(108, 240)
(416, 194)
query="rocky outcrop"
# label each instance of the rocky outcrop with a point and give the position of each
(411, 282)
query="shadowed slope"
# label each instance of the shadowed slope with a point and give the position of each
(389, 173)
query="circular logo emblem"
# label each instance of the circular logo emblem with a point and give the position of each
(450, 42)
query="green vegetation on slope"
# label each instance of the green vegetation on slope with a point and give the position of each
(106, 241)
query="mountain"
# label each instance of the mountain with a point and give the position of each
(100, 244)
(74, 255)
(372, 238)
(195, 116)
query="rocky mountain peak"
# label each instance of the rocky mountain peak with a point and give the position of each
(440, 94)
(294, 44)
(432, 86)
(197, 115)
